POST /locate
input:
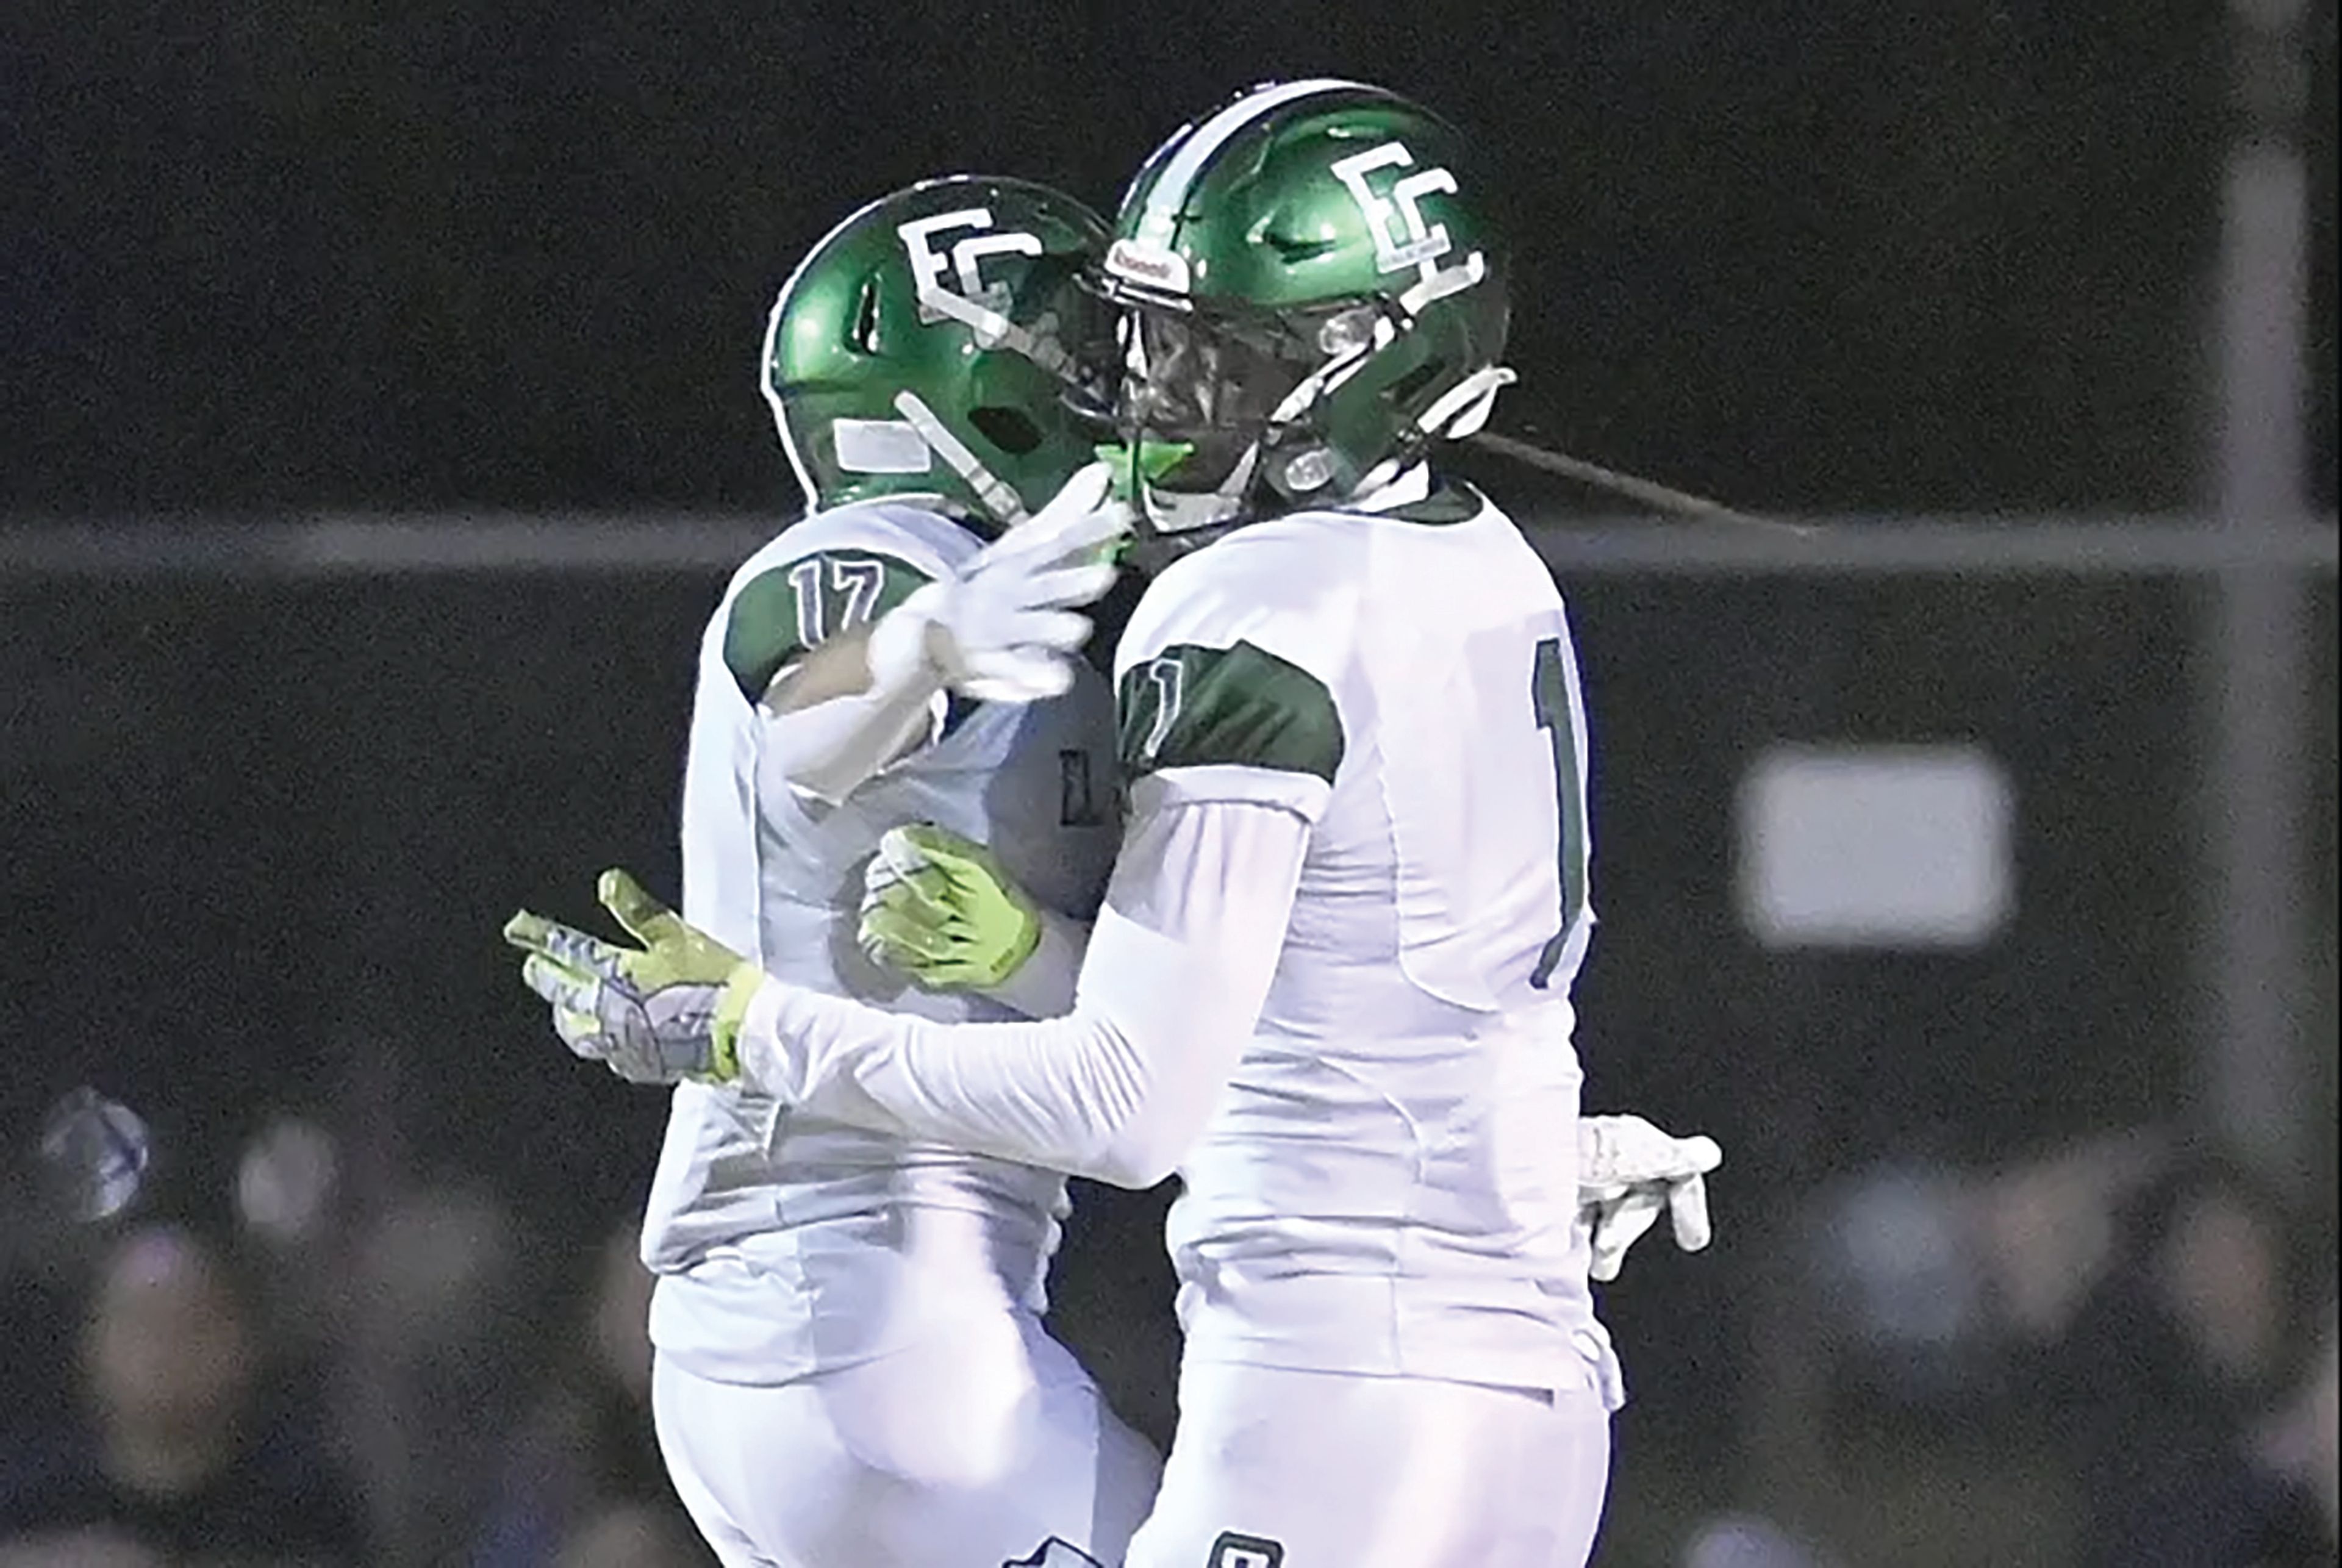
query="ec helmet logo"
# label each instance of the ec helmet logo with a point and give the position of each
(965, 260)
(1403, 236)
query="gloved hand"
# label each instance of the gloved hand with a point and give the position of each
(1627, 1171)
(1003, 629)
(939, 908)
(667, 1011)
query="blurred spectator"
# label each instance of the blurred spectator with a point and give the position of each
(1745, 1541)
(2172, 1341)
(586, 1484)
(2046, 1228)
(174, 1459)
(439, 1342)
(633, 1535)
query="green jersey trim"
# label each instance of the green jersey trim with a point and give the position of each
(785, 612)
(1451, 502)
(1241, 707)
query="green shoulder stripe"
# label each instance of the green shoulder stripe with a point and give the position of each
(1453, 502)
(1191, 706)
(781, 613)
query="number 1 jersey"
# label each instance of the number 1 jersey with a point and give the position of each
(1388, 1184)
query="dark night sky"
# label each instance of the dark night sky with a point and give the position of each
(1814, 255)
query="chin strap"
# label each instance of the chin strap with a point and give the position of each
(991, 490)
(1464, 408)
(1454, 413)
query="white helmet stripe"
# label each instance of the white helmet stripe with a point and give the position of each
(1170, 191)
(998, 498)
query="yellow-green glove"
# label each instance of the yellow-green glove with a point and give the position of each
(939, 908)
(667, 1011)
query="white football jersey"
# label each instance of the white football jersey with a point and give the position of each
(784, 1244)
(1389, 1182)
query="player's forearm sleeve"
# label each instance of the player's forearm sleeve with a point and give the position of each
(831, 747)
(830, 750)
(1178, 966)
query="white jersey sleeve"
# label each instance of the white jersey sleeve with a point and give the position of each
(1181, 956)
(830, 573)
(1226, 681)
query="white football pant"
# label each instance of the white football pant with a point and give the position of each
(970, 1449)
(1278, 1469)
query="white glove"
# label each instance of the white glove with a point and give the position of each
(1003, 630)
(1627, 1171)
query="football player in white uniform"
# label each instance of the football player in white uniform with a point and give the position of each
(852, 1371)
(1329, 985)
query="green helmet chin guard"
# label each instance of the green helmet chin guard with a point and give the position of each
(940, 341)
(1313, 293)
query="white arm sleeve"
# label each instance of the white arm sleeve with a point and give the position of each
(830, 750)
(830, 746)
(1178, 966)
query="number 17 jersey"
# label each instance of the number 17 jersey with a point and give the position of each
(1388, 1184)
(787, 1245)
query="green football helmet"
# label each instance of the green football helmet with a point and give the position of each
(1313, 292)
(939, 342)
